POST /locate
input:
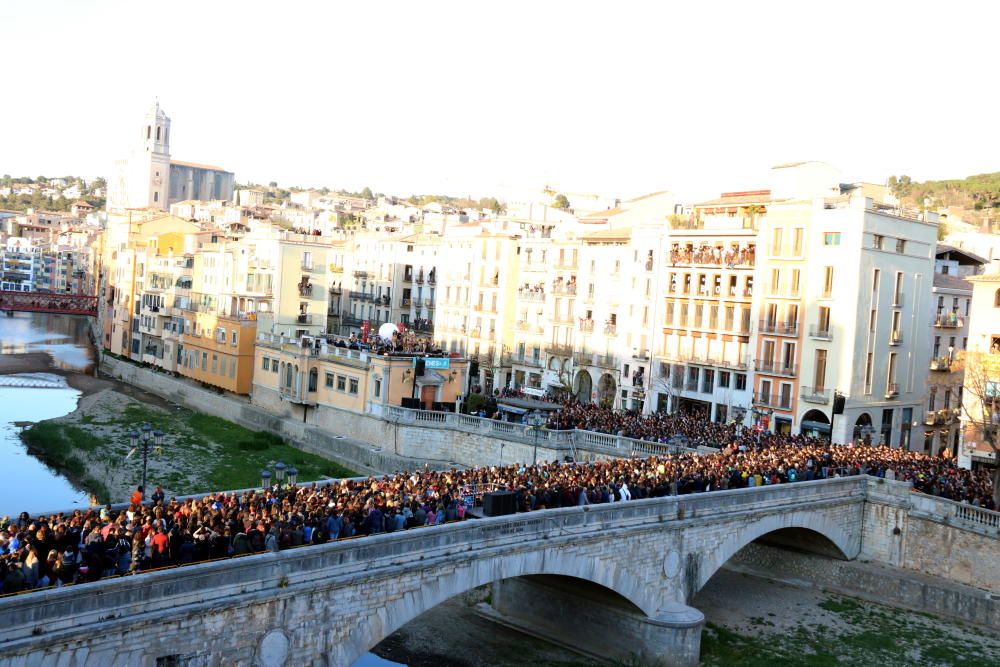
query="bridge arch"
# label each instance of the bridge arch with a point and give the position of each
(808, 526)
(473, 573)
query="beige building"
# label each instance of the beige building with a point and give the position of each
(980, 396)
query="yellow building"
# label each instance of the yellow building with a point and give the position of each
(294, 375)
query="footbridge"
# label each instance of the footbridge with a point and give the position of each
(329, 604)
(48, 302)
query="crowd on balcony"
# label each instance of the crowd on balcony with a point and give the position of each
(154, 532)
(714, 255)
(527, 291)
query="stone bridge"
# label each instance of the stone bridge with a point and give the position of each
(329, 604)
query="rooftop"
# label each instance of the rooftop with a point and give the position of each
(974, 258)
(196, 165)
(947, 281)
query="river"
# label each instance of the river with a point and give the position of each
(29, 484)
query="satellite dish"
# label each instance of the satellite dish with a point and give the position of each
(386, 330)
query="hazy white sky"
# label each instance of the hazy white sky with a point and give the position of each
(614, 98)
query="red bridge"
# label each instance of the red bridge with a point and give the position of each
(44, 302)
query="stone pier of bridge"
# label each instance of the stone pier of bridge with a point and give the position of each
(644, 561)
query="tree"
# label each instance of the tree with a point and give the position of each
(367, 193)
(666, 382)
(560, 202)
(901, 186)
(981, 406)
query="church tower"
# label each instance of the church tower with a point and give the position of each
(155, 153)
(142, 180)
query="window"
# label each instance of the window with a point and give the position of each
(871, 320)
(897, 292)
(234, 337)
(827, 281)
(341, 383)
(274, 365)
(328, 381)
(869, 369)
(204, 361)
(353, 386)
(831, 238)
(996, 299)
(741, 382)
(724, 379)
(892, 368)
(823, 324)
(901, 246)
(215, 364)
(776, 242)
(797, 241)
(931, 398)
(765, 391)
(378, 387)
(266, 364)
(819, 381)
(878, 241)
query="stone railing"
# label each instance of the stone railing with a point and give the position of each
(961, 515)
(571, 440)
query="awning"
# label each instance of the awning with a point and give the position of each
(819, 427)
(527, 404)
(512, 409)
(430, 379)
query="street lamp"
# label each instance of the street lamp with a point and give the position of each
(279, 471)
(535, 421)
(265, 478)
(293, 476)
(145, 437)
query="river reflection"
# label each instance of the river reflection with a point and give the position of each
(64, 337)
(29, 485)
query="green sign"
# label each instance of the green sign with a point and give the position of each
(434, 362)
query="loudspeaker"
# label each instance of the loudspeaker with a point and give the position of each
(419, 368)
(499, 503)
(838, 403)
(412, 403)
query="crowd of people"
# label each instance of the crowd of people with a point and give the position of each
(153, 532)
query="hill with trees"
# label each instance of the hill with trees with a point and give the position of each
(976, 198)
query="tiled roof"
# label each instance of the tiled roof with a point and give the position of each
(948, 281)
(623, 234)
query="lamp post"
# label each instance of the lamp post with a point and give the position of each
(535, 421)
(145, 437)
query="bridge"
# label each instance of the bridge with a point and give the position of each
(47, 302)
(329, 604)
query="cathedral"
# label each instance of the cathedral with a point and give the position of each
(148, 178)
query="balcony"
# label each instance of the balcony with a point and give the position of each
(708, 256)
(420, 279)
(363, 296)
(586, 326)
(559, 349)
(531, 294)
(896, 338)
(892, 390)
(821, 332)
(418, 302)
(475, 332)
(941, 364)
(564, 289)
(815, 395)
(527, 361)
(304, 318)
(563, 318)
(775, 367)
(933, 419)
(407, 277)
(431, 280)
(361, 274)
(336, 268)
(779, 401)
(610, 329)
(566, 264)
(489, 283)
(337, 290)
(522, 325)
(305, 289)
(779, 328)
(352, 321)
(405, 302)
(951, 321)
(640, 355)
(307, 267)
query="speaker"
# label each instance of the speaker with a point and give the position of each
(499, 503)
(412, 403)
(838, 403)
(420, 366)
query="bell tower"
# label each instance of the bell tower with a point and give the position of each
(156, 150)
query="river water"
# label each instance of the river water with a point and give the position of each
(29, 485)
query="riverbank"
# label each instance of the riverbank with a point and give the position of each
(90, 445)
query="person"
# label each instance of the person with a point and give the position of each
(137, 496)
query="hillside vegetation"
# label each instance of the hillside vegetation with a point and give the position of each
(978, 196)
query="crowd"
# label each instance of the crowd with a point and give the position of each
(88, 545)
(153, 532)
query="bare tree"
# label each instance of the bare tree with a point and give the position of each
(665, 381)
(981, 407)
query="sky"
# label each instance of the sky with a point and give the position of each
(471, 98)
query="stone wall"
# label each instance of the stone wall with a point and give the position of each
(878, 583)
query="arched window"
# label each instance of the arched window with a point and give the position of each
(157, 132)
